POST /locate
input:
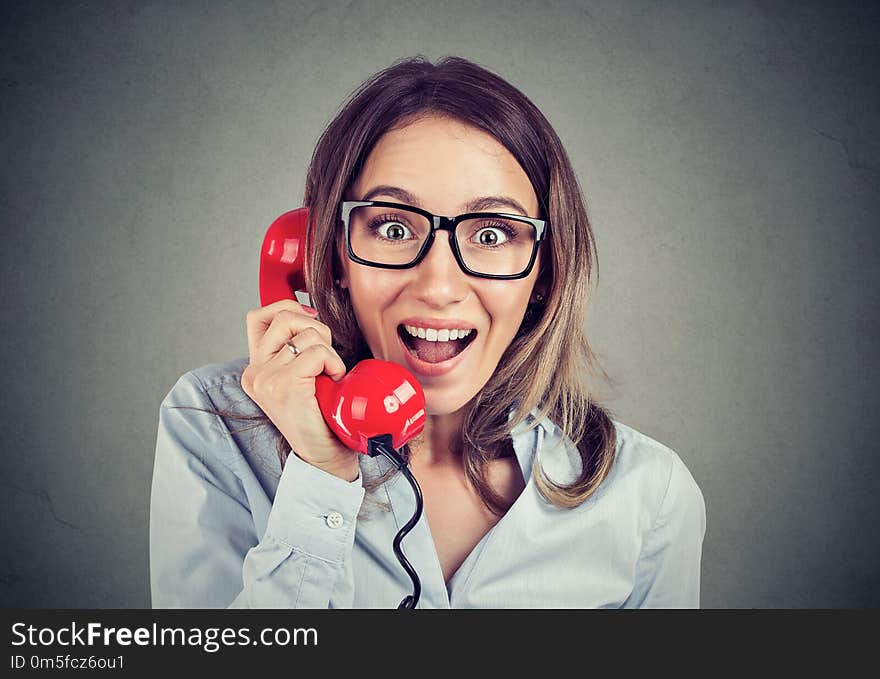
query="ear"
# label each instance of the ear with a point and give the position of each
(340, 271)
(342, 280)
(541, 286)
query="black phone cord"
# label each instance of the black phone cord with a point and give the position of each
(381, 445)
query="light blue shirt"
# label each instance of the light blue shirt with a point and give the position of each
(227, 529)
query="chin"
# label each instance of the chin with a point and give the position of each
(443, 404)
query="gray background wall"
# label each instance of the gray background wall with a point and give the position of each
(730, 156)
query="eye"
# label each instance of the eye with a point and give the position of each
(390, 229)
(491, 236)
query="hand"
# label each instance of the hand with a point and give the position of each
(283, 384)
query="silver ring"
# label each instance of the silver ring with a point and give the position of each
(293, 348)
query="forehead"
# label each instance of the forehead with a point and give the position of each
(445, 164)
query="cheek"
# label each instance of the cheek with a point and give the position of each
(371, 286)
(371, 291)
(506, 307)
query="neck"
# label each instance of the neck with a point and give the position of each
(437, 445)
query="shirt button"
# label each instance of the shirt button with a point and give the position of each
(334, 519)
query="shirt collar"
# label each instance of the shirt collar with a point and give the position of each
(527, 438)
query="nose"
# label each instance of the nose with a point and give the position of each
(438, 280)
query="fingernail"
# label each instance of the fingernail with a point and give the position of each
(310, 310)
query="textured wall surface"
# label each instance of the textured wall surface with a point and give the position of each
(730, 157)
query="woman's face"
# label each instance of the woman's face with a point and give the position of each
(442, 166)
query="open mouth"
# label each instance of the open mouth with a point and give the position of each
(431, 351)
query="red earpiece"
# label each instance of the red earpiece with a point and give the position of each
(375, 397)
(282, 257)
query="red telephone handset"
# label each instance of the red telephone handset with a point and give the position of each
(375, 397)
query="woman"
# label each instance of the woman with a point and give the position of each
(533, 495)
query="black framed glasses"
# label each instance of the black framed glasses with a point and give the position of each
(485, 244)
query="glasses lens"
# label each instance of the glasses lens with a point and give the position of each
(384, 235)
(496, 245)
(493, 245)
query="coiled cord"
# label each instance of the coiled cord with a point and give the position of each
(381, 445)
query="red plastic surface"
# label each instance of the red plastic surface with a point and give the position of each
(282, 257)
(375, 397)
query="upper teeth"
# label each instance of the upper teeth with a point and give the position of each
(433, 335)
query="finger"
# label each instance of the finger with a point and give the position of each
(259, 320)
(304, 339)
(314, 359)
(287, 325)
(266, 340)
(286, 304)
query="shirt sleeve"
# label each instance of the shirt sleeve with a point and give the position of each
(668, 570)
(204, 548)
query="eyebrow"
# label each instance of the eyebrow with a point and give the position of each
(475, 205)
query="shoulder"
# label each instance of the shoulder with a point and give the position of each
(215, 385)
(659, 476)
(647, 480)
(639, 455)
(207, 411)
(212, 377)
(213, 374)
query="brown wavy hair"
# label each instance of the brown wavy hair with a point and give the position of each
(549, 366)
